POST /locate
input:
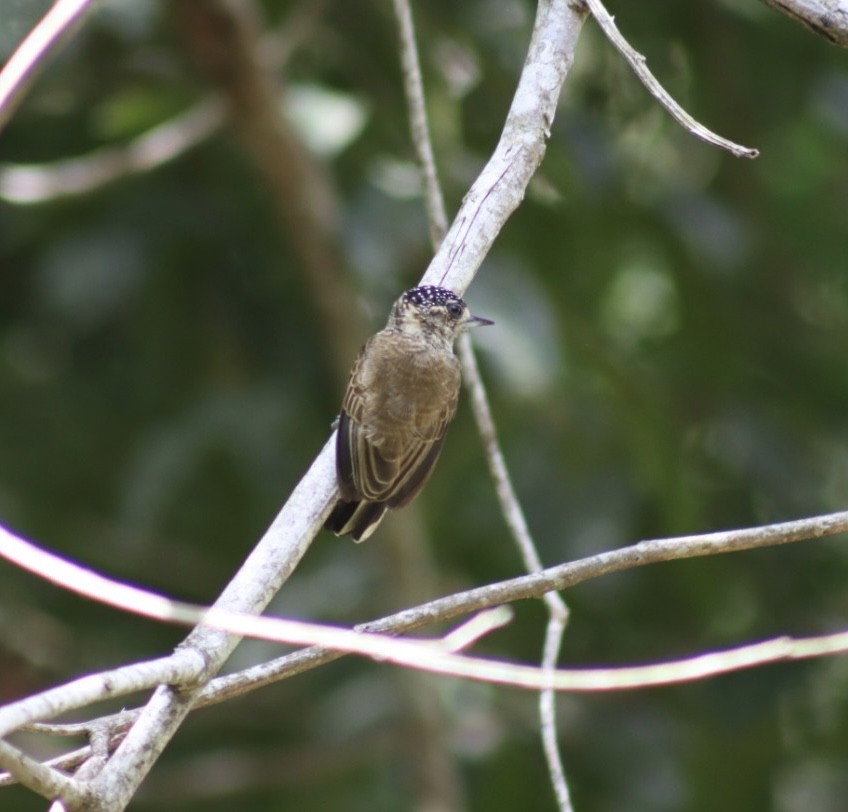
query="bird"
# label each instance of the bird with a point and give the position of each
(400, 399)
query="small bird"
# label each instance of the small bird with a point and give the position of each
(401, 396)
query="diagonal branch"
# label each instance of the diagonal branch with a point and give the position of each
(640, 68)
(501, 185)
(44, 780)
(413, 86)
(60, 23)
(517, 523)
(510, 506)
(41, 183)
(492, 199)
(827, 18)
(264, 571)
(528, 586)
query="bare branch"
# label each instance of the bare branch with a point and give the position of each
(434, 656)
(527, 586)
(501, 185)
(510, 505)
(506, 494)
(40, 183)
(63, 19)
(46, 781)
(79, 693)
(222, 620)
(640, 68)
(533, 585)
(264, 571)
(476, 627)
(517, 523)
(554, 631)
(415, 101)
(827, 18)
(425, 656)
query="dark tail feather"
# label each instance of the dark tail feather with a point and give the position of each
(340, 516)
(359, 519)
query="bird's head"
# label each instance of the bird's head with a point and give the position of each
(434, 313)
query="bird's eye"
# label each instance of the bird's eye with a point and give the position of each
(455, 309)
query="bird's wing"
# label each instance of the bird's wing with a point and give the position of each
(348, 436)
(417, 467)
(363, 472)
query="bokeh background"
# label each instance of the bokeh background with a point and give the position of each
(669, 357)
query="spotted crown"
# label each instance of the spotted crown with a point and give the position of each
(430, 295)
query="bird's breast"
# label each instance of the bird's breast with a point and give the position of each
(410, 390)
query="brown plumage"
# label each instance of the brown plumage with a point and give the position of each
(401, 396)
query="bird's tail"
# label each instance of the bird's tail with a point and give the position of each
(359, 519)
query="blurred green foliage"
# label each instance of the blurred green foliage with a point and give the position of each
(669, 357)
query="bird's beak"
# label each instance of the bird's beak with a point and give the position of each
(476, 321)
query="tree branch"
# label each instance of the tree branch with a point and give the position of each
(59, 24)
(41, 183)
(501, 185)
(510, 506)
(647, 552)
(413, 86)
(493, 197)
(46, 781)
(264, 571)
(438, 655)
(640, 68)
(827, 18)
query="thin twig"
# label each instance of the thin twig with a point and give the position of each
(522, 587)
(63, 19)
(554, 631)
(527, 586)
(413, 86)
(510, 506)
(472, 630)
(431, 655)
(517, 522)
(39, 183)
(640, 68)
(45, 182)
